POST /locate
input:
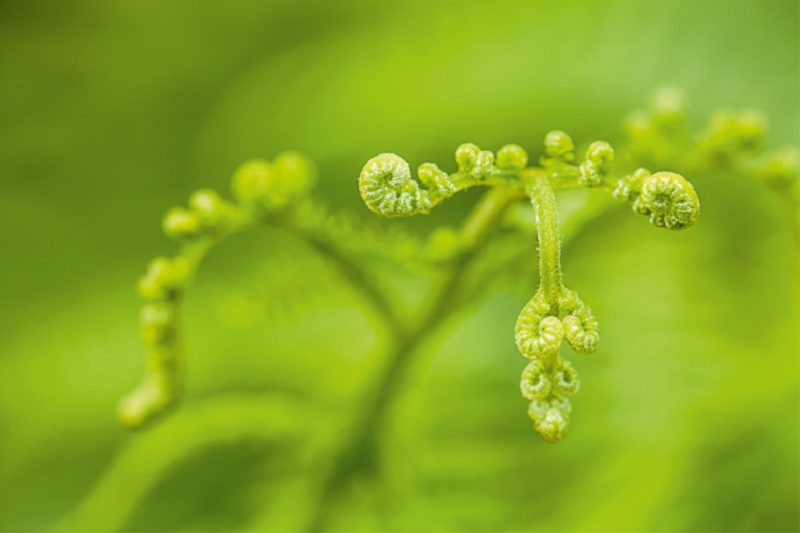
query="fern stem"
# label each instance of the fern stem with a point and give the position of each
(544, 202)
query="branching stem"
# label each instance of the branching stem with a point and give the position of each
(360, 454)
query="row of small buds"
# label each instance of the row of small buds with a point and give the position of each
(730, 132)
(387, 187)
(274, 185)
(161, 286)
(165, 278)
(208, 214)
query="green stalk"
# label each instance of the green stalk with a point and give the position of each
(544, 202)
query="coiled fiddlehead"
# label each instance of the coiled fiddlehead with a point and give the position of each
(667, 198)
(580, 326)
(537, 334)
(388, 189)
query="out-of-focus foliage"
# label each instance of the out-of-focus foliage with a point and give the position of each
(688, 416)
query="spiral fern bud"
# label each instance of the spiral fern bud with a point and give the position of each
(667, 198)
(433, 178)
(558, 146)
(388, 189)
(253, 180)
(163, 278)
(671, 200)
(211, 210)
(472, 160)
(565, 379)
(630, 187)
(580, 326)
(551, 417)
(180, 223)
(465, 155)
(597, 164)
(512, 157)
(535, 384)
(536, 334)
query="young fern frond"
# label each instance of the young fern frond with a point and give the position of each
(276, 194)
(555, 312)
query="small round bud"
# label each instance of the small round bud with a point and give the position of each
(157, 320)
(427, 173)
(512, 157)
(558, 145)
(180, 223)
(465, 155)
(483, 164)
(163, 277)
(253, 180)
(597, 164)
(209, 207)
(601, 154)
(297, 173)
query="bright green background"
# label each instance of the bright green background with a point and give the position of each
(110, 112)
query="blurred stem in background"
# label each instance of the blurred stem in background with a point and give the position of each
(360, 454)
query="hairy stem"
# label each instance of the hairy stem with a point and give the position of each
(544, 202)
